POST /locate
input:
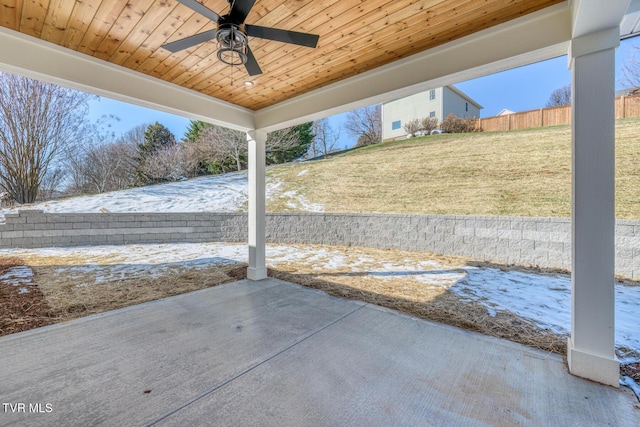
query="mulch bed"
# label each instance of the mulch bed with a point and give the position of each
(21, 311)
(631, 370)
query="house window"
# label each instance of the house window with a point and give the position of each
(432, 114)
(432, 94)
(396, 125)
(466, 106)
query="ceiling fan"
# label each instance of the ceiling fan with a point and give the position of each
(232, 35)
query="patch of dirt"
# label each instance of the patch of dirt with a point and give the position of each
(631, 370)
(69, 301)
(53, 297)
(21, 311)
(238, 273)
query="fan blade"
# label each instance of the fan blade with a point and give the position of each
(190, 41)
(240, 10)
(201, 9)
(252, 65)
(293, 37)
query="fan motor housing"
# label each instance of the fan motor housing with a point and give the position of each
(233, 41)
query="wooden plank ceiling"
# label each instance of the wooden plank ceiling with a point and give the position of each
(355, 36)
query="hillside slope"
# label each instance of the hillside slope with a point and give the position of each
(522, 173)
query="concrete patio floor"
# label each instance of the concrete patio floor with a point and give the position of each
(274, 353)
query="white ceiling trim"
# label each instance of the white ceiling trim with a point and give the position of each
(37, 59)
(535, 37)
(591, 16)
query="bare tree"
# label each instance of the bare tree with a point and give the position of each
(102, 163)
(631, 70)
(135, 135)
(325, 138)
(224, 144)
(37, 121)
(194, 158)
(560, 97)
(109, 166)
(289, 144)
(166, 164)
(366, 124)
(51, 183)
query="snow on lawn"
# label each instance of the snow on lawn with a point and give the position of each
(113, 263)
(219, 193)
(546, 300)
(19, 276)
(542, 299)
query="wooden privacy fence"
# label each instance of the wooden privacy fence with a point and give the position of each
(625, 106)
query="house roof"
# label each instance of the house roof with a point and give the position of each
(453, 89)
(368, 52)
(465, 96)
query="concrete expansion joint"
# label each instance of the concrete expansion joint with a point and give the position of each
(258, 364)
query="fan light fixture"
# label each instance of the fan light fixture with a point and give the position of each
(233, 34)
(232, 43)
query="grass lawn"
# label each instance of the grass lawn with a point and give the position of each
(518, 173)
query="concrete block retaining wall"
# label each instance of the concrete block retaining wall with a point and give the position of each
(35, 229)
(520, 240)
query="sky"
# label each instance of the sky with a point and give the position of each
(521, 89)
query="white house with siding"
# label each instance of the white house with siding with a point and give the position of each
(437, 103)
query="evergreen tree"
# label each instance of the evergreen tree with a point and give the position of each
(156, 138)
(195, 130)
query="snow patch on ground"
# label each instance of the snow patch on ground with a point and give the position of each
(219, 193)
(299, 202)
(547, 299)
(542, 299)
(20, 276)
(629, 382)
(113, 263)
(427, 272)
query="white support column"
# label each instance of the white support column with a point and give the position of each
(257, 205)
(590, 351)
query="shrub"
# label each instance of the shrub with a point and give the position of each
(428, 124)
(455, 124)
(413, 127)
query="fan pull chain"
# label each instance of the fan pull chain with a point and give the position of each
(233, 69)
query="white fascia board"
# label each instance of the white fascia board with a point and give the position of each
(591, 16)
(630, 24)
(464, 96)
(535, 37)
(37, 59)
